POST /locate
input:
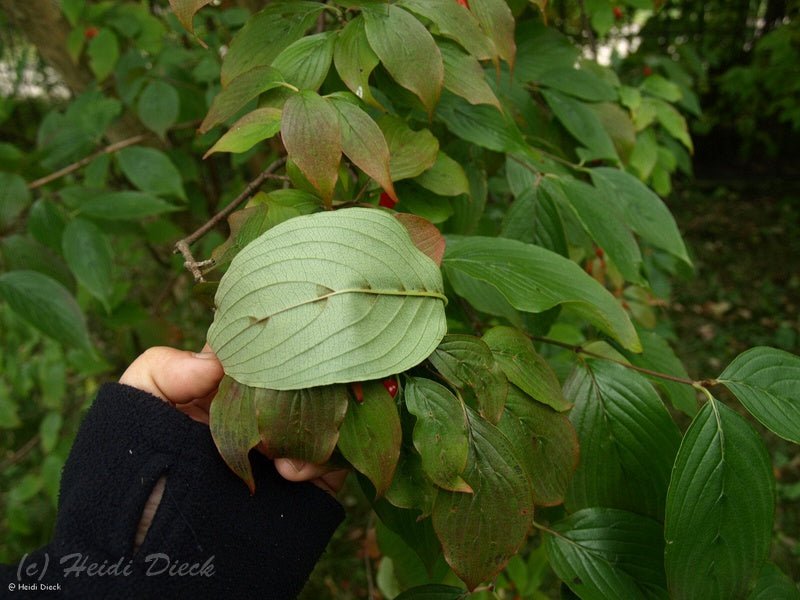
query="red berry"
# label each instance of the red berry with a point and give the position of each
(599, 253)
(386, 201)
(90, 32)
(357, 391)
(647, 71)
(618, 14)
(463, 3)
(390, 383)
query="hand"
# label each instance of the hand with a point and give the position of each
(189, 380)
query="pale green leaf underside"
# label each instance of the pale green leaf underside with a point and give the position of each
(328, 298)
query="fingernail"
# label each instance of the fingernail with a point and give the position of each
(204, 355)
(297, 464)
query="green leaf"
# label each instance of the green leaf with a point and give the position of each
(583, 124)
(370, 436)
(410, 152)
(456, 23)
(87, 251)
(14, 198)
(238, 93)
(46, 221)
(375, 301)
(542, 49)
(606, 226)
(659, 356)
(523, 366)
(363, 143)
(254, 127)
(47, 305)
(465, 77)
(232, 420)
(579, 83)
(656, 85)
(302, 424)
(433, 591)
(773, 583)
(627, 439)
(266, 35)
(158, 107)
(426, 204)
(482, 125)
(440, 432)
(643, 211)
(125, 205)
(546, 444)
(720, 507)
(185, 11)
(306, 62)
(411, 488)
(23, 253)
(499, 511)
(673, 121)
(498, 23)
(466, 363)
(312, 136)
(49, 428)
(407, 51)
(355, 60)
(533, 279)
(103, 53)
(152, 171)
(767, 382)
(603, 553)
(446, 177)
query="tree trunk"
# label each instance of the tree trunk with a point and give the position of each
(42, 23)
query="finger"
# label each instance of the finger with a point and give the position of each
(320, 475)
(177, 376)
(298, 470)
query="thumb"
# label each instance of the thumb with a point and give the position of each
(177, 376)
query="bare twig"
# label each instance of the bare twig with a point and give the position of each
(23, 451)
(182, 246)
(703, 383)
(85, 161)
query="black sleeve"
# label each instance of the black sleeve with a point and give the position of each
(209, 538)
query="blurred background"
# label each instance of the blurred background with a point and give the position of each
(79, 75)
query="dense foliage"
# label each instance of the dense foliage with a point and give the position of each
(425, 153)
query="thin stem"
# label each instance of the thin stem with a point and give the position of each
(23, 451)
(182, 246)
(701, 384)
(116, 147)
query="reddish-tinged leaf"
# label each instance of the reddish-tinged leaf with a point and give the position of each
(301, 424)
(546, 444)
(232, 419)
(370, 436)
(407, 50)
(364, 144)
(497, 21)
(239, 92)
(185, 10)
(425, 235)
(311, 133)
(465, 77)
(499, 512)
